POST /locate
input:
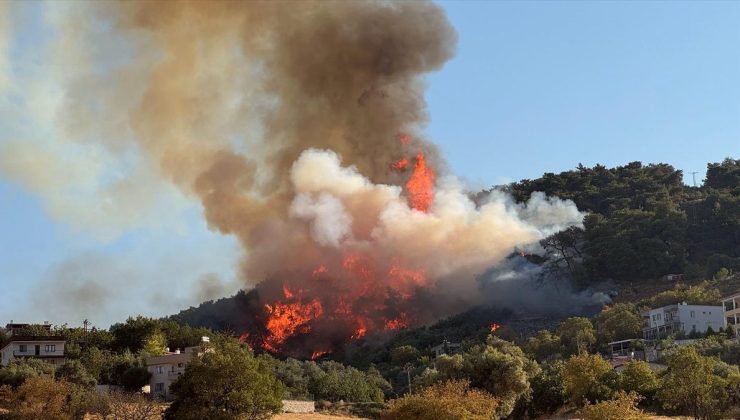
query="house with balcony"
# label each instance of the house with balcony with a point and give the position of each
(731, 306)
(681, 319)
(47, 348)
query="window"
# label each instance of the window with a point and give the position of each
(692, 314)
(160, 369)
(730, 320)
(22, 348)
(179, 365)
(50, 348)
(159, 387)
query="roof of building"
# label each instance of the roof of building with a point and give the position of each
(33, 338)
(173, 357)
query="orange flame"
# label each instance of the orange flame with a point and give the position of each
(356, 304)
(400, 165)
(420, 186)
(397, 324)
(494, 327)
(361, 329)
(320, 270)
(287, 319)
(315, 355)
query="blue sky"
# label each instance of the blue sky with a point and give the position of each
(535, 87)
(542, 86)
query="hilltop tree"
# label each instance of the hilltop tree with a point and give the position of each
(133, 333)
(155, 344)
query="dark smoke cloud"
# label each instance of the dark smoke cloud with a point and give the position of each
(520, 285)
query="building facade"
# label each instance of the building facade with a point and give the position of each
(682, 319)
(165, 369)
(49, 349)
(731, 305)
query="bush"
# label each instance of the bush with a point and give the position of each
(637, 377)
(548, 392)
(622, 407)
(588, 377)
(498, 367)
(18, 371)
(74, 372)
(452, 400)
(700, 386)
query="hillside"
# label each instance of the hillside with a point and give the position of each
(642, 224)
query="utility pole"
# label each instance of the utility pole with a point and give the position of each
(693, 177)
(408, 375)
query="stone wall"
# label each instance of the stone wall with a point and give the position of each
(293, 406)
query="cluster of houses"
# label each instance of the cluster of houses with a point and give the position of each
(50, 348)
(165, 368)
(680, 320)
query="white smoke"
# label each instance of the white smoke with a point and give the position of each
(455, 236)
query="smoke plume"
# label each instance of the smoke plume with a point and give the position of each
(298, 127)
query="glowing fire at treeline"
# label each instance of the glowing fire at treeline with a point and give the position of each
(375, 299)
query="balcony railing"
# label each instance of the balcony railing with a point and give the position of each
(32, 352)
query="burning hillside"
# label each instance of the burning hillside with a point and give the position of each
(298, 127)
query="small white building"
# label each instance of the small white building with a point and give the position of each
(445, 348)
(673, 319)
(49, 349)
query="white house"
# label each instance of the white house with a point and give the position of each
(49, 349)
(672, 319)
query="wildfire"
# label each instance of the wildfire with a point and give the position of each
(315, 355)
(494, 327)
(420, 186)
(360, 296)
(287, 319)
(369, 305)
(396, 324)
(400, 165)
(320, 270)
